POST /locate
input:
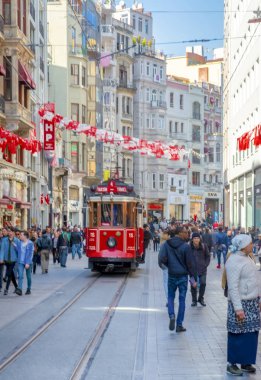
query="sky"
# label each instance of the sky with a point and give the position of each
(187, 22)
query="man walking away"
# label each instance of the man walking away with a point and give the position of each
(76, 242)
(25, 261)
(10, 250)
(62, 246)
(207, 239)
(177, 256)
(222, 246)
(44, 244)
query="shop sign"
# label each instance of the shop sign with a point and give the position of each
(74, 205)
(212, 195)
(49, 135)
(155, 206)
(196, 197)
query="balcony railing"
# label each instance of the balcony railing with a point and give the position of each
(107, 29)
(32, 10)
(2, 104)
(41, 28)
(122, 25)
(196, 116)
(128, 116)
(125, 84)
(158, 104)
(109, 83)
(42, 64)
(2, 23)
(78, 50)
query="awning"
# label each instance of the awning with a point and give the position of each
(2, 71)
(13, 200)
(25, 205)
(25, 77)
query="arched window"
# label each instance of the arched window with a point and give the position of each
(218, 157)
(154, 96)
(196, 110)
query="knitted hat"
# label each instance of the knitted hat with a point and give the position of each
(195, 235)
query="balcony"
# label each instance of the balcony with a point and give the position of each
(196, 116)
(42, 64)
(158, 104)
(20, 114)
(123, 26)
(2, 23)
(107, 30)
(126, 85)
(41, 28)
(78, 50)
(32, 10)
(109, 83)
(2, 104)
(128, 116)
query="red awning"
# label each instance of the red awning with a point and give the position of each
(14, 200)
(4, 203)
(2, 71)
(25, 77)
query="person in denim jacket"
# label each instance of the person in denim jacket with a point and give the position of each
(10, 250)
(25, 261)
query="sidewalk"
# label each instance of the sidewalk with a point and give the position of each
(200, 352)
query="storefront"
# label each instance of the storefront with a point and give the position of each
(212, 206)
(155, 210)
(177, 205)
(257, 199)
(196, 206)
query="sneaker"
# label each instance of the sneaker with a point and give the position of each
(172, 323)
(202, 302)
(218, 266)
(18, 292)
(180, 329)
(233, 369)
(248, 368)
(194, 303)
(5, 292)
(28, 291)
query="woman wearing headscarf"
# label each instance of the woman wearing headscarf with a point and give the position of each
(243, 319)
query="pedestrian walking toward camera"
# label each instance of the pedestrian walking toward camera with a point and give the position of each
(10, 251)
(44, 245)
(63, 244)
(163, 237)
(243, 319)
(25, 262)
(156, 241)
(177, 256)
(202, 258)
(221, 246)
(54, 247)
(146, 241)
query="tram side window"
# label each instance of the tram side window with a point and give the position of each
(105, 214)
(129, 220)
(117, 215)
(95, 215)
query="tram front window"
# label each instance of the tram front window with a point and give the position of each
(106, 214)
(117, 215)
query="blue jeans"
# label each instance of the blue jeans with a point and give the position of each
(175, 283)
(76, 248)
(165, 282)
(28, 272)
(63, 253)
(224, 254)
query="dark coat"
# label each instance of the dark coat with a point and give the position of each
(147, 237)
(207, 239)
(76, 238)
(177, 256)
(202, 258)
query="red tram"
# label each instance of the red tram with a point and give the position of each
(114, 238)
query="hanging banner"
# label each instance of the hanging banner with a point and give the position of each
(49, 135)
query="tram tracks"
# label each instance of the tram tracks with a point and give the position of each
(84, 363)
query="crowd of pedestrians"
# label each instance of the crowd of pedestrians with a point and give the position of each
(22, 251)
(184, 256)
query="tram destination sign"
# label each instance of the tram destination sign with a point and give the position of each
(116, 189)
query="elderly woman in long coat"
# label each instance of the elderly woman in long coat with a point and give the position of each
(243, 319)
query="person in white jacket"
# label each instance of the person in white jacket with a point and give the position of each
(243, 318)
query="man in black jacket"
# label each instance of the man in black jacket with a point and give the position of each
(177, 256)
(146, 241)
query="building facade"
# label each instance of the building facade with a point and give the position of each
(17, 167)
(242, 113)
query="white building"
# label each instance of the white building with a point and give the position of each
(242, 113)
(39, 214)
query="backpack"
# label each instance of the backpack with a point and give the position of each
(45, 242)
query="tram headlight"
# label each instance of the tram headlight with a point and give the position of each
(111, 242)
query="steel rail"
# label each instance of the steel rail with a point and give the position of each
(82, 367)
(20, 350)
